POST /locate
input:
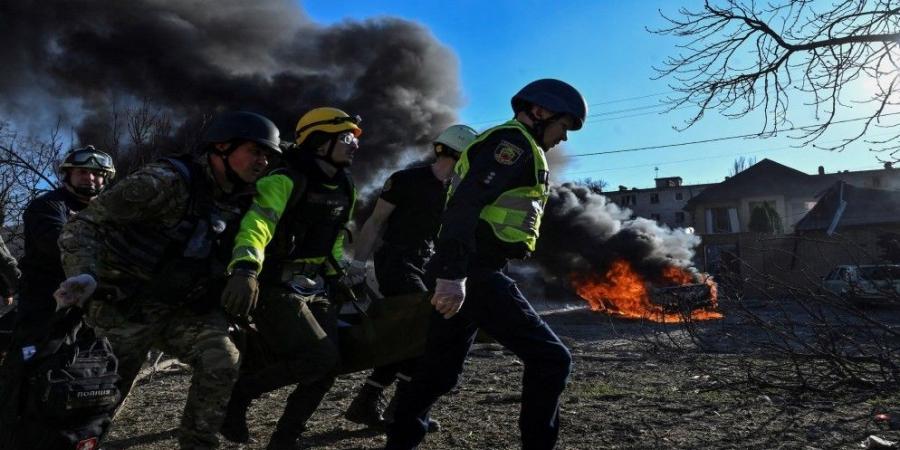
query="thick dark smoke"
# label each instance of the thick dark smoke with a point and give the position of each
(584, 232)
(84, 60)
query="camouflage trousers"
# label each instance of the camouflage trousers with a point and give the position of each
(201, 340)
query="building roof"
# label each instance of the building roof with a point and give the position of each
(864, 206)
(763, 178)
(683, 187)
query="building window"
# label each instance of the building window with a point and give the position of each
(721, 220)
(655, 217)
(654, 198)
(679, 196)
(679, 217)
(876, 182)
(628, 200)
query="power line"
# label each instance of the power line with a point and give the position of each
(648, 113)
(721, 138)
(608, 102)
(702, 158)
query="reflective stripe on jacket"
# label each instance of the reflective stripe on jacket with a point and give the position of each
(515, 216)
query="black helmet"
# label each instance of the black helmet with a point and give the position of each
(89, 157)
(553, 95)
(243, 125)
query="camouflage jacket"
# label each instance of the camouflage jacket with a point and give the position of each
(9, 272)
(130, 235)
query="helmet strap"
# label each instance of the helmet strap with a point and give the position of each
(539, 126)
(230, 174)
(87, 192)
(328, 157)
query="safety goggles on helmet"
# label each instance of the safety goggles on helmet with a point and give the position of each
(355, 119)
(347, 138)
(84, 157)
(89, 158)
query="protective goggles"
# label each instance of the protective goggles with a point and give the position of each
(348, 138)
(83, 157)
(356, 120)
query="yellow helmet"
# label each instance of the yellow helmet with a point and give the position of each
(328, 120)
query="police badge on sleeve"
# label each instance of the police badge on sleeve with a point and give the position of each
(507, 153)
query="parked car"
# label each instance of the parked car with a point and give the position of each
(864, 283)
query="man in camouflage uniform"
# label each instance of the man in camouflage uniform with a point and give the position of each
(152, 250)
(9, 284)
(9, 274)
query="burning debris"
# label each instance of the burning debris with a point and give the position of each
(630, 268)
(621, 292)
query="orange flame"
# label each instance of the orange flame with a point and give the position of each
(623, 293)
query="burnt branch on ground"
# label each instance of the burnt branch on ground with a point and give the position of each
(805, 339)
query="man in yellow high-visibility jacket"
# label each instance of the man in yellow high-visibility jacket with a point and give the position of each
(493, 215)
(296, 225)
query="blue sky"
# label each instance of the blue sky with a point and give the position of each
(602, 48)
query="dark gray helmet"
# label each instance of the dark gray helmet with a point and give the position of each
(243, 126)
(553, 95)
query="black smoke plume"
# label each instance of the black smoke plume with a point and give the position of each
(86, 61)
(583, 232)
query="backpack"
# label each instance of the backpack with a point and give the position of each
(60, 394)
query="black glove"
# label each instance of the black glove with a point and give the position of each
(241, 292)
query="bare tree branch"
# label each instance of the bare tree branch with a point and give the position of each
(745, 57)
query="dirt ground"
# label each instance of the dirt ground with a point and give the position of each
(634, 385)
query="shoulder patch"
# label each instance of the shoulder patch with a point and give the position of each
(507, 153)
(387, 185)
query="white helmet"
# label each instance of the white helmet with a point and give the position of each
(454, 140)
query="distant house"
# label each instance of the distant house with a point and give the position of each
(772, 226)
(775, 191)
(727, 207)
(664, 203)
(844, 207)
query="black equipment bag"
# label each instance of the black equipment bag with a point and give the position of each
(60, 394)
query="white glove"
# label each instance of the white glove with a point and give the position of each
(75, 291)
(449, 296)
(355, 273)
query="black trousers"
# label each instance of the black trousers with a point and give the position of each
(494, 304)
(398, 273)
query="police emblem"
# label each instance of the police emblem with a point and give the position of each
(507, 153)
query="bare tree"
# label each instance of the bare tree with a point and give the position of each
(745, 56)
(595, 185)
(27, 168)
(740, 164)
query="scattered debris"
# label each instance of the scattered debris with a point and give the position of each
(875, 442)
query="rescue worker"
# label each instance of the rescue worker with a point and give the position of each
(493, 215)
(151, 252)
(406, 216)
(85, 172)
(9, 285)
(9, 274)
(296, 224)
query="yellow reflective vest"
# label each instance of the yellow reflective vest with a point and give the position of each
(515, 216)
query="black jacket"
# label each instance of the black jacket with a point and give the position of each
(41, 265)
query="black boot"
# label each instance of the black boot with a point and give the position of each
(234, 427)
(433, 425)
(284, 440)
(367, 407)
